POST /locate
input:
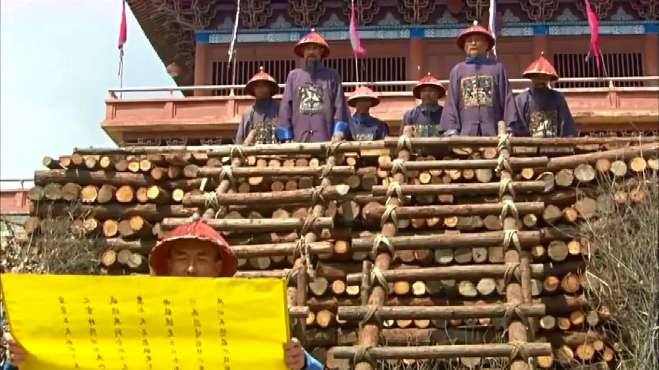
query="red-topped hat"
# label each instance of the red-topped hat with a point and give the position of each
(475, 29)
(541, 66)
(312, 38)
(363, 92)
(196, 229)
(261, 76)
(428, 80)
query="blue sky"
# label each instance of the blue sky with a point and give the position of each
(58, 58)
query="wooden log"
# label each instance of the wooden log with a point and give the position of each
(557, 250)
(484, 175)
(445, 351)
(110, 228)
(624, 154)
(493, 222)
(584, 173)
(134, 165)
(108, 258)
(50, 163)
(193, 171)
(336, 192)
(262, 225)
(638, 195)
(91, 162)
(401, 288)
(530, 220)
(565, 355)
(563, 323)
(545, 362)
(355, 313)
(551, 284)
(585, 352)
(653, 163)
(36, 193)
(324, 318)
(174, 172)
(141, 194)
(105, 162)
(124, 194)
(454, 241)
(318, 286)
(552, 214)
(409, 212)
(106, 194)
(52, 191)
(570, 283)
(564, 178)
(71, 191)
(464, 188)
(638, 164)
(486, 286)
(338, 287)
(467, 289)
(259, 263)
(418, 288)
(444, 256)
(88, 194)
(77, 160)
(603, 165)
(158, 195)
(547, 322)
(587, 207)
(577, 317)
(537, 251)
(618, 168)
(462, 255)
(461, 164)
(527, 173)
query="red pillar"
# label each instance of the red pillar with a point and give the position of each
(201, 68)
(650, 53)
(415, 59)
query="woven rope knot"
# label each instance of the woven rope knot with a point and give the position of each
(227, 173)
(398, 165)
(210, 200)
(508, 208)
(327, 169)
(237, 149)
(503, 163)
(504, 141)
(510, 237)
(511, 271)
(378, 277)
(372, 314)
(317, 194)
(381, 241)
(518, 350)
(308, 224)
(394, 189)
(332, 147)
(303, 249)
(362, 354)
(389, 214)
(506, 185)
(404, 142)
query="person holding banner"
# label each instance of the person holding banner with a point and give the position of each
(542, 109)
(193, 249)
(313, 107)
(425, 117)
(479, 94)
(363, 126)
(262, 116)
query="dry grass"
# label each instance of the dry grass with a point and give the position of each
(623, 271)
(57, 247)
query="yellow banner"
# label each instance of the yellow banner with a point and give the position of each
(143, 322)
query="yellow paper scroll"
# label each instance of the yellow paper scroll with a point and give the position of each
(144, 322)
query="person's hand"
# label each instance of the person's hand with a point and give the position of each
(15, 352)
(294, 354)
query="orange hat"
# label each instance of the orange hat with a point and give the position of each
(428, 80)
(196, 229)
(312, 38)
(541, 66)
(363, 92)
(472, 30)
(261, 77)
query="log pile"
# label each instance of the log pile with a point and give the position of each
(407, 249)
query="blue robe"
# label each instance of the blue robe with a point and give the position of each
(313, 106)
(546, 113)
(262, 117)
(364, 127)
(478, 97)
(425, 120)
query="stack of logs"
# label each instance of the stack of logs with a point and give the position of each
(407, 249)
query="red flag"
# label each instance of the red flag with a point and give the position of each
(594, 33)
(355, 41)
(123, 31)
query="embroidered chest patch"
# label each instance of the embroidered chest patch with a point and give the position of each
(543, 123)
(265, 131)
(477, 91)
(425, 130)
(363, 133)
(311, 98)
